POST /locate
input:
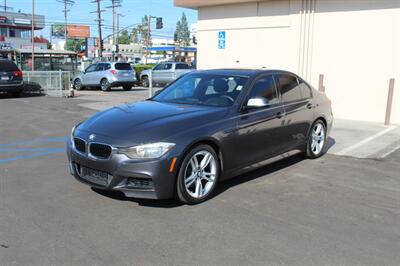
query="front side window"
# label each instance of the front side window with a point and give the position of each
(91, 68)
(159, 67)
(289, 88)
(167, 66)
(203, 89)
(265, 88)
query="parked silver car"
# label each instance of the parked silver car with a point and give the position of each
(164, 73)
(106, 75)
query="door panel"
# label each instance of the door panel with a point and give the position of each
(259, 131)
(298, 109)
(87, 78)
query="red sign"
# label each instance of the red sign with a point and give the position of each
(3, 19)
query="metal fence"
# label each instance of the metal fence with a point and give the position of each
(53, 83)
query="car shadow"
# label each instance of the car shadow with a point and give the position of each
(222, 186)
(117, 195)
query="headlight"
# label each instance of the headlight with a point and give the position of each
(72, 135)
(147, 151)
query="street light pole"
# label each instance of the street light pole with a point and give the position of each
(33, 35)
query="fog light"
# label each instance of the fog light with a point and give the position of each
(137, 183)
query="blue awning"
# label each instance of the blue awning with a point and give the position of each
(172, 48)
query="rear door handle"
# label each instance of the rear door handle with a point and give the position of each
(310, 105)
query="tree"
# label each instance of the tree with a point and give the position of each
(143, 30)
(135, 35)
(124, 38)
(75, 45)
(182, 33)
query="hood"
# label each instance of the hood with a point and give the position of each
(147, 121)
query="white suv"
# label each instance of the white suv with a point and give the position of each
(106, 75)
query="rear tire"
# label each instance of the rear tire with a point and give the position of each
(105, 85)
(316, 140)
(145, 81)
(127, 88)
(198, 175)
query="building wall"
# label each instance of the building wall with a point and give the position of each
(353, 43)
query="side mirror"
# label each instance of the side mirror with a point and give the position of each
(257, 102)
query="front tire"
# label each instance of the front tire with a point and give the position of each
(198, 175)
(78, 85)
(316, 140)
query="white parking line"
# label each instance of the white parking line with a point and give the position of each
(389, 152)
(365, 141)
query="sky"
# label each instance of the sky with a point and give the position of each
(133, 11)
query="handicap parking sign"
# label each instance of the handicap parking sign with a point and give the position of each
(221, 40)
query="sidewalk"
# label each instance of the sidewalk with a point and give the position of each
(363, 139)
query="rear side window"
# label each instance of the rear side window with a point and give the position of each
(305, 90)
(6, 65)
(265, 88)
(123, 66)
(100, 67)
(107, 67)
(182, 66)
(289, 88)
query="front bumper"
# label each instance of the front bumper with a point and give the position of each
(122, 171)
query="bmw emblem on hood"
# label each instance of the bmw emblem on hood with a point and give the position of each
(92, 136)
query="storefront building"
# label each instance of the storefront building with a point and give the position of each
(354, 44)
(15, 32)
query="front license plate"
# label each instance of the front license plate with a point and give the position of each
(95, 176)
(4, 78)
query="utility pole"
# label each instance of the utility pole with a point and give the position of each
(33, 35)
(5, 6)
(117, 40)
(148, 37)
(99, 21)
(66, 10)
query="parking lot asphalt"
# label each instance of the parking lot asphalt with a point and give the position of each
(333, 210)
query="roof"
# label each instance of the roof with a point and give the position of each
(45, 51)
(245, 72)
(232, 71)
(200, 3)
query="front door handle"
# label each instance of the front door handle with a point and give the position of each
(280, 114)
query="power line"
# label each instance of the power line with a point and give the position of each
(5, 6)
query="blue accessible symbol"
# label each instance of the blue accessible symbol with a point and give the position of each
(221, 40)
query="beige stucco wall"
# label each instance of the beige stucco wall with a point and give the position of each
(355, 44)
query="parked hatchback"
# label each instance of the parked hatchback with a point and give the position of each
(203, 128)
(11, 78)
(106, 75)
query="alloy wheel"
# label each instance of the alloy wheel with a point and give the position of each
(78, 84)
(200, 174)
(317, 138)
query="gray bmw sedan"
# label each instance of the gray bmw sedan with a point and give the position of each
(205, 127)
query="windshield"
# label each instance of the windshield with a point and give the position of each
(203, 89)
